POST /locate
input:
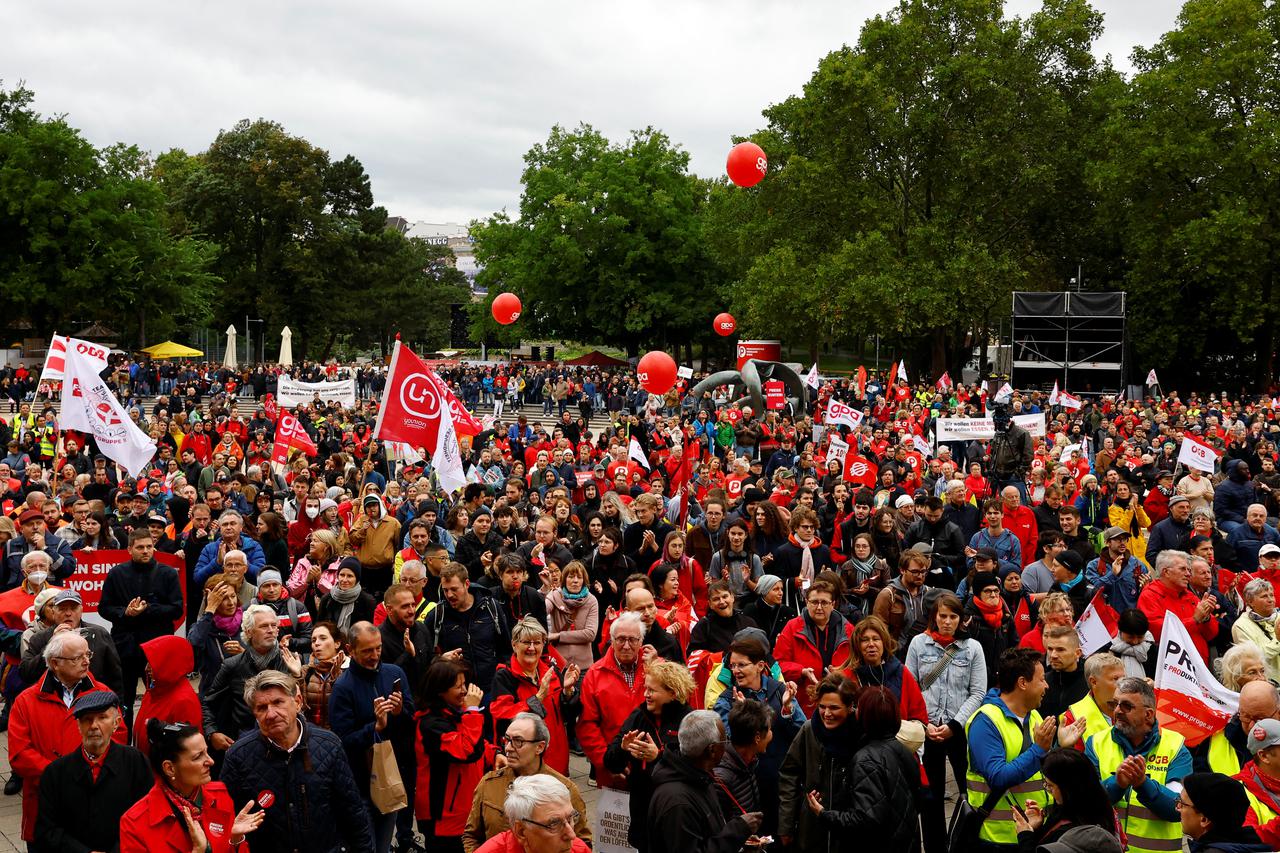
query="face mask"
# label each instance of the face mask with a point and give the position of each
(313, 511)
(37, 578)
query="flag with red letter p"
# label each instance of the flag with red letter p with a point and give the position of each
(290, 434)
(1189, 700)
(1197, 454)
(415, 410)
(89, 406)
(841, 413)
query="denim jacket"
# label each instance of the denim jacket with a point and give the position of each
(958, 691)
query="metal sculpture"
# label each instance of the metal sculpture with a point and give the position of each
(747, 384)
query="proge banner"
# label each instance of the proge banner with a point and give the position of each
(291, 392)
(1189, 700)
(91, 572)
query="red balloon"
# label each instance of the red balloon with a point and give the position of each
(724, 324)
(747, 164)
(506, 308)
(656, 372)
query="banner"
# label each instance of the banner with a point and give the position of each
(1097, 625)
(840, 413)
(837, 448)
(55, 361)
(969, 429)
(414, 410)
(775, 395)
(684, 372)
(1189, 700)
(289, 435)
(1197, 454)
(89, 406)
(291, 392)
(91, 571)
(613, 822)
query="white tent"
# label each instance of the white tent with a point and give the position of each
(286, 347)
(230, 359)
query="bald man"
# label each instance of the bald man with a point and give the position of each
(1227, 751)
(640, 601)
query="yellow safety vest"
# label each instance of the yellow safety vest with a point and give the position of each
(1147, 833)
(1223, 757)
(48, 442)
(1095, 721)
(999, 827)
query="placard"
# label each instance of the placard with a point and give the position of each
(613, 820)
(91, 572)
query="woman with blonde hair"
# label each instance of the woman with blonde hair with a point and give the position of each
(1242, 663)
(531, 681)
(315, 574)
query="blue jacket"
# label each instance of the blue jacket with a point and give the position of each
(1121, 591)
(987, 754)
(1008, 549)
(1093, 510)
(1164, 535)
(1231, 497)
(208, 566)
(1247, 543)
(351, 717)
(1151, 793)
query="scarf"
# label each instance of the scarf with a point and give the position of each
(1267, 624)
(1069, 585)
(887, 674)
(993, 614)
(840, 741)
(574, 600)
(806, 558)
(940, 639)
(826, 639)
(347, 598)
(864, 569)
(229, 624)
(1134, 657)
(263, 661)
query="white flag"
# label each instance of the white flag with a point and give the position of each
(1096, 626)
(89, 406)
(921, 445)
(1151, 378)
(1005, 394)
(902, 370)
(55, 360)
(1189, 700)
(840, 413)
(1069, 402)
(636, 452)
(1196, 454)
(811, 378)
(1053, 395)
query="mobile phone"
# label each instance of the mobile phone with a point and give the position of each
(397, 686)
(1017, 808)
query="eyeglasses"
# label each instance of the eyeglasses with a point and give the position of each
(1181, 804)
(531, 644)
(519, 742)
(626, 641)
(556, 825)
(86, 657)
(819, 603)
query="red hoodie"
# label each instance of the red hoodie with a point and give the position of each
(170, 697)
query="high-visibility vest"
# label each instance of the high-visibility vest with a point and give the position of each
(1147, 833)
(1223, 757)
(1264, 810)
(1095, 721)
(999, 827)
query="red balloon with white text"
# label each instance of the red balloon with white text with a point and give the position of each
(747, 164)
(506, 308)
(656, 372)
(724, 324)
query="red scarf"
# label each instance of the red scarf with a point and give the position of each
(941, 640)
(992, 613)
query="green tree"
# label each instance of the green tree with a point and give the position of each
(1191, 182)
(608, 245)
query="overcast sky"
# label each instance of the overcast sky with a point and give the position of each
(441, 101)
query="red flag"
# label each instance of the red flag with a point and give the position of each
(858, 469)
(464, 422)
(680, 483)
(269, 407)
(1022, 618)
(290, 434)
(415, 411)
(1097, 625)
(862, 382)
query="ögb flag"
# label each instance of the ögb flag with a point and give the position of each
(1197, 454)
(1005, 394)
(922, 445)
(290, 435)
(415, 410)
(1189, 700)
(1097, 625)
(944, 381)
(636, 452)
(1151, 378)
(89, 406)
(841, 413)
(56, 360)
(1054, 395)
(1069, 402)
(902, 371)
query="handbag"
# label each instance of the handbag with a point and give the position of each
(386, 788)
(966, 822)
(934, 674)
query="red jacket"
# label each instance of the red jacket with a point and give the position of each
(1022, 523)
(797, 650)
(505, 842)
(170, 698)
(607, 701)
(300, 530)
(693, 584)
(513, 692)
(1266, 790)
(1157, 597)
(17, 611)
(452, 756)
(152, 827)
(41, 729)
(199, 444)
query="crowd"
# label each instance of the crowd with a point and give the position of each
(790, 654)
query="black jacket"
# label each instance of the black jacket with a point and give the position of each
(394, 651)
(664, 731)
(79, 815)
(469, 549)
(667, 646)
(819, 760)
(223, 702)
(105, 665)
(685, 813)
(317, 808)
(527, 602)
(481, 632)
(884, 813)
(153, 583)
(947, 542)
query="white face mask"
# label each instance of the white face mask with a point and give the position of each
(313, 511)
(37, 578)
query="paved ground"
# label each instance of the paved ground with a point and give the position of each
(10, 808)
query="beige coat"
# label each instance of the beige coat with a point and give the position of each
(487, 818)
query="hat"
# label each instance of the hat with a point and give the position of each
(44, 596)
(904, 500)
(1088, 838)
(764, 583)
(94, 701)
(1268, 549)
(157, 519)
(1264, 734)
(61, 596)
(1219, 798)
(1072, 560)
(911, 735)
(988, 553)
(1115, 533)
(325, 503)
(269, 575)
(351, 563)
(1178, 499)
(759, 636)
(753, 495)
(370, 499)
(30, 515)
(982, 580)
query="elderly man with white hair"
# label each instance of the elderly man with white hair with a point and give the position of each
(231, 537)
(226, 715)
(542, 819)
(1170, 593)
(684, 811)
(1248, 539)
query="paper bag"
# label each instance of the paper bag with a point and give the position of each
(386, 788)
